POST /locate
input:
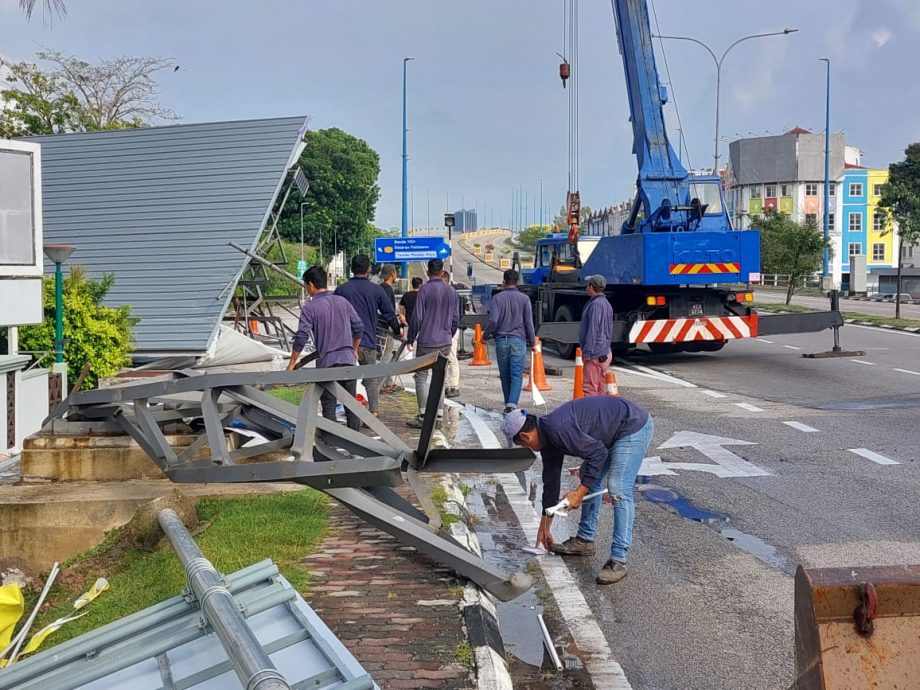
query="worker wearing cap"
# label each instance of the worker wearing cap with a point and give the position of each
(511, 324)
(611, 436)
(594, 333)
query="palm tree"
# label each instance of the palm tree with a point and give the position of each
(52, 7)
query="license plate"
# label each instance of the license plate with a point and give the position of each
(696, 309)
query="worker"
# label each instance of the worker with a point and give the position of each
(611, 436)
(369, 300)
(435, 319)
(594, 334)
(511, 325)
(387, 278)
(407, 302)
(452, 375)
(334, 328)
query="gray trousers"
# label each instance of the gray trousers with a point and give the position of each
(452, 375)
(368, 356)
(421, 379)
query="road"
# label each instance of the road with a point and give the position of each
(708, 602)
(908, 311)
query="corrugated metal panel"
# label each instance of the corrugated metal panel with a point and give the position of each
(157, 207)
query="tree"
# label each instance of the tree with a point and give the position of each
(93, 333)
(560, 220)
(50, 7)
(75, 96)
(342, 199)
(901, 201)
(528, 238)
(790, 248)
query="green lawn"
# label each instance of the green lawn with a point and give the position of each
(875, 320)
(237, 532)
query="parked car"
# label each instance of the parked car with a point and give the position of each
(890, 297)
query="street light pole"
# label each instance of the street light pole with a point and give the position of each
(825, 266)
(719, 62)
(405, 167)
(58, 253)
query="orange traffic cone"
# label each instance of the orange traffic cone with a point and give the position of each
(480, 355)
(612, 387)
(579, 391)
(537, 372)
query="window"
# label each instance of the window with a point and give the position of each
(832, 189)
(879, 223)
(831, 221)
(710, 195)
(786, 190)
(17, 229)
(854, 249)
(755, 192)
(876, 189)
(855, 222)
(811, 219)
(878, 252)
(856, 189)
(771, 191)
(811, 189)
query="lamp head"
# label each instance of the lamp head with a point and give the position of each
(59, 253)
(449, 220)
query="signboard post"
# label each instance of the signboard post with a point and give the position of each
(405, 249)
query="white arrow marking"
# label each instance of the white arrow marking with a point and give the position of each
(727, 463)
(653, 466)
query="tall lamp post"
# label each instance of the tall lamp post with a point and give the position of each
(449, 224)
(58, 253)
(405, 166)
(719, 61)
(825, 267)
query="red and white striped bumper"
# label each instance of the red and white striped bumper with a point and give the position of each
(688, 330)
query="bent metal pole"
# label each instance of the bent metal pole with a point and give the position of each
(250, 662)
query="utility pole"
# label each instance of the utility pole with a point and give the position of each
(825, 264)
(405, 166)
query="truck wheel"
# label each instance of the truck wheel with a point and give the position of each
(565, 350)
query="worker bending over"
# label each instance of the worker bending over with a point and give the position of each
(611, 436)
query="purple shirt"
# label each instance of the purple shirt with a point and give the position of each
(333, 325)
(436, 316)
(596, 328)
(368, 298)
(511, 315)
(586, 428)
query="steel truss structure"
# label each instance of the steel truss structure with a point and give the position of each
(301, 446)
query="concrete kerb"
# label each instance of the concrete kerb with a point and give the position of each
(480, 618)
(886, 326)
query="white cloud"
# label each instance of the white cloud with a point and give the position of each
(880, 36)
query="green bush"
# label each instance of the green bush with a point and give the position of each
(278, 284)
(93, 332)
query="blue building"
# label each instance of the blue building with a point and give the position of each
(465, 220)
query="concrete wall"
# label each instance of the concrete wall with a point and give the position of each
(33, 403)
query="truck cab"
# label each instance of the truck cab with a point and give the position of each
(557, 244)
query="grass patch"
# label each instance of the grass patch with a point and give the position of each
(439, 496)
(463, 652)
(239, 531)
(874, 319)
(289, 394)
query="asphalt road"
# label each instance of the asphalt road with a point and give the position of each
(708, 602)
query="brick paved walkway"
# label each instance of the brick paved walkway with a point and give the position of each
(394, 609)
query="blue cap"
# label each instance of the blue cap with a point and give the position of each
(513, 423)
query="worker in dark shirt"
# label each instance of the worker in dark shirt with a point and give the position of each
(334, 328)
(611, 436)
(434, 321)
(407, 303)
(369, 300)
(387, 278)
(594, 334)
(511, 324)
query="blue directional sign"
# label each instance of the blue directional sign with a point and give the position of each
(403, 249)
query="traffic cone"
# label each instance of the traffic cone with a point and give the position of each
(537, 372)
(480, 355)
(579, 391)
(612, 387)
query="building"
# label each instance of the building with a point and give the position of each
(607, 221)
(465, 220)
(786, 173)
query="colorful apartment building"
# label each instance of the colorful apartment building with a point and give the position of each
(864, 230)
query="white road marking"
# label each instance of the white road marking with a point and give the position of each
(727, 463)
(713, 394)
(886, 330)
(862, 361)
(873, 456)
(659, 375)
(748, 407)
(599, 661)
(791, 347)
(764, 340)
(908, 371)
(801, 427)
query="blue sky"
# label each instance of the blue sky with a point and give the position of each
(487, 111)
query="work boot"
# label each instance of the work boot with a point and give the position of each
(574, 546)
(613, 571)
(452, 393)
(414, 423)
(509, 408)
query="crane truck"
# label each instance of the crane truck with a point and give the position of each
(671, 267)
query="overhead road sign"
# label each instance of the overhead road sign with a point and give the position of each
(402, 249)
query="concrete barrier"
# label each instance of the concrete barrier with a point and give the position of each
(504, 263)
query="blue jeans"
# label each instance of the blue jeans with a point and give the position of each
(510, 351)
(619, 472)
